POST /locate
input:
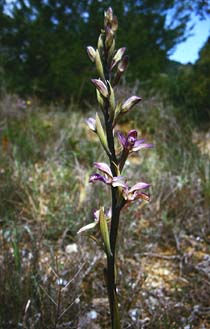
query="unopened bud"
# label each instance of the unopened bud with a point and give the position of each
(100, 85)
(123, 64)
(114, 24)
(109, 37)
(99, 65)
(91, 53)
(111, 51)
(118, 56)
(108, 16)
(129, 103)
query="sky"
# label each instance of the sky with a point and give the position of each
(188, 51)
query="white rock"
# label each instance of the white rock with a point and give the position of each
(70, 248)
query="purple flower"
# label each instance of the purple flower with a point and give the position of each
(107, 178)
(131, 143)
(129, 194)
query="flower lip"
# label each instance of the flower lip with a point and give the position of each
(97, 177)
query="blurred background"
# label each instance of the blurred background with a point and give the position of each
(49, 276)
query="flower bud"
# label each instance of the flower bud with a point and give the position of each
(91, 53)
(123, 64)
(100, 85)
(111, 51)
(99, 65)
(118, 56)
(109, 37)
(114, 24)
(108, 17)
(129, 103)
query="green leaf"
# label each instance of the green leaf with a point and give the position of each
(104, 232)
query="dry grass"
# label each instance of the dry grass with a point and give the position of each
(52, 278)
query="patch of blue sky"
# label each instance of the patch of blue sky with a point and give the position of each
(188, 51)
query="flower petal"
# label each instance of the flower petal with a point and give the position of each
(102, 88)
(130, 102)
(131, 139)
(87, 227)
(104, 168)
(139, 145)
(138, 186)
(121, 138)
(95, 177)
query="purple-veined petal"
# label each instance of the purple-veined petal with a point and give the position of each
(100, 85)
(121, 138)
(130, 102)
(95, 177)
(119, 181)
(139, 145)
(91, 53)
(138, 186)
(104, 168)
(91, 122)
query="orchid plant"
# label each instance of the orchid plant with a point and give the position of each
(111, 65)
